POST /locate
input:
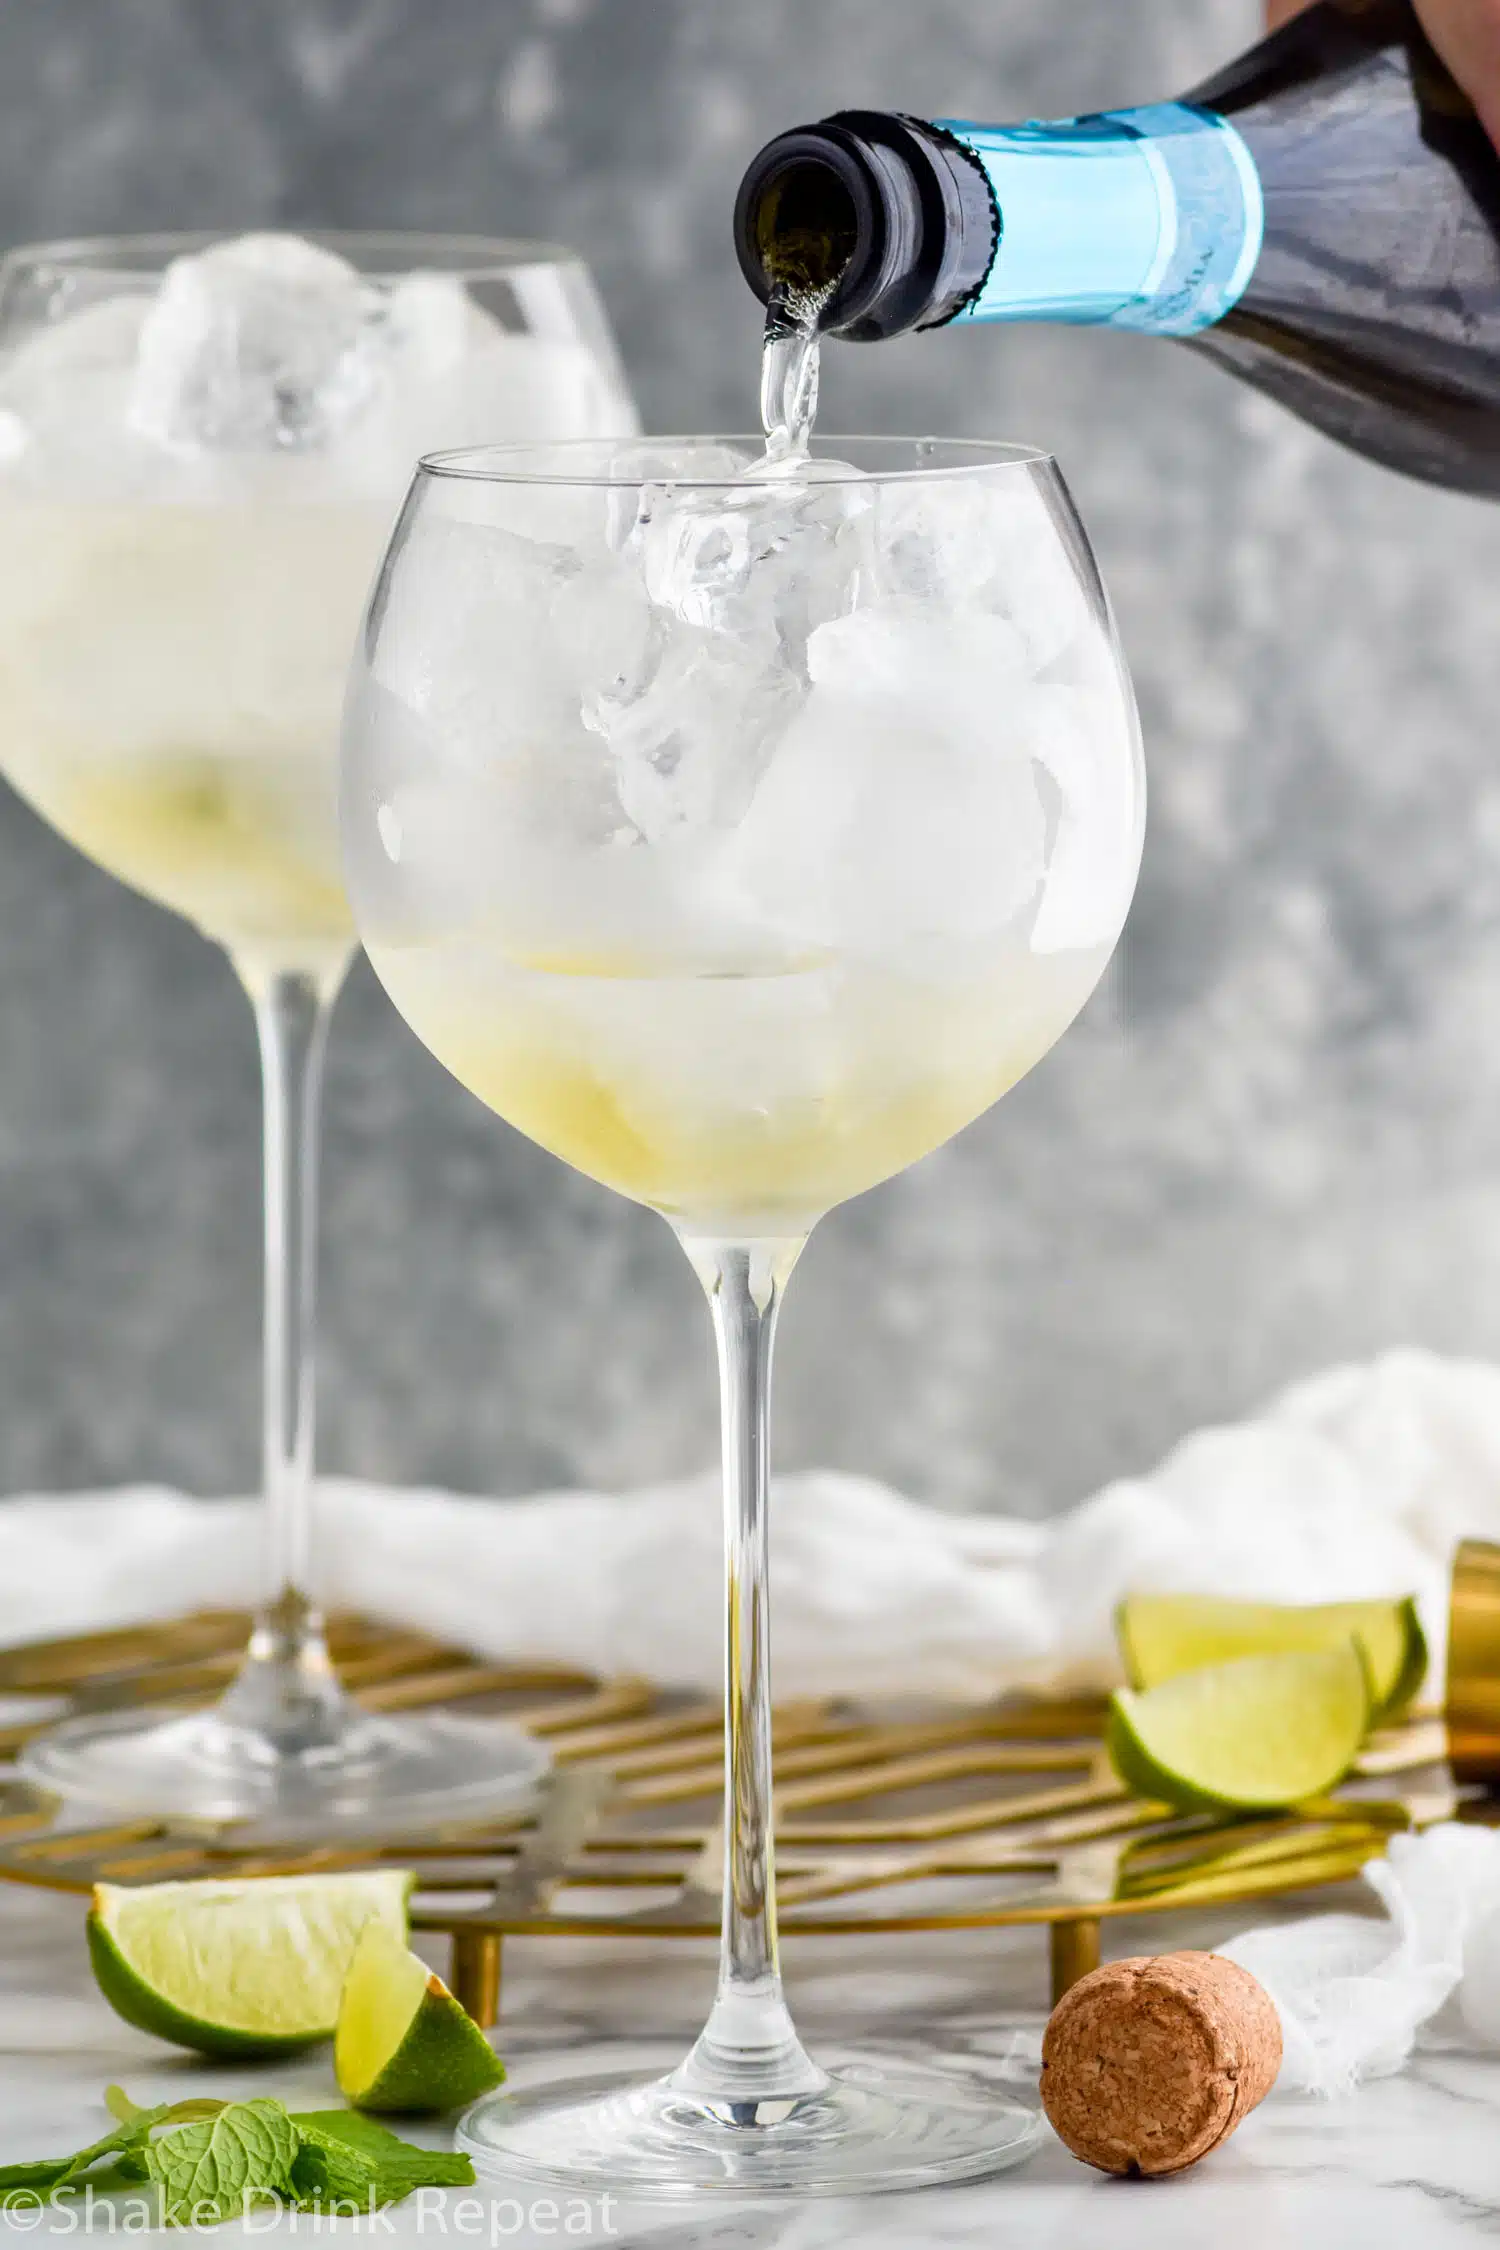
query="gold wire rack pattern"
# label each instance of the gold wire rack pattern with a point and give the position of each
(952, 1819)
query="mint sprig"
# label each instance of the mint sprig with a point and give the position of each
(216, 2160)
(41, 2179)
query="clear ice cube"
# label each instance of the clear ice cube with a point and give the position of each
(766, 560)
(468, 648)
(606, 631)
(690, 730)
(263, 343)
(64, 391)
(968, 673)
(1084, 741)
(988, 543)
(697, 554)
(929, 658)
(433, 326)
(877, 827)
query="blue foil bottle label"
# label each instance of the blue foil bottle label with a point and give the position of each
(1149, 219)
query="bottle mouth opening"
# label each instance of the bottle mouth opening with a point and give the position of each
(806, 222)
(875, 216)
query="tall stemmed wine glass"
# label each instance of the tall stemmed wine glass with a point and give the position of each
(741, 831)
(202, 444)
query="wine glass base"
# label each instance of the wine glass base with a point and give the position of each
(883, 2122)
(376, 1776)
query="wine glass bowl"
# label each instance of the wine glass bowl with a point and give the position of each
(740, 880)
(202, 444)
(740, 826)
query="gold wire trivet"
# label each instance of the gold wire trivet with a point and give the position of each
(954, 1819)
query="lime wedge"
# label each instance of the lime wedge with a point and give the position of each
(251, 1967)
(1250, 1735)
(1161, 1635)
(403, 2041)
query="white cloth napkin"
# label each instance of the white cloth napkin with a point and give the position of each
(1355, 1993)
(1355, 1484)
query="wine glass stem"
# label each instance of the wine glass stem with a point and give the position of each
(287, 1690)
(749, 2052)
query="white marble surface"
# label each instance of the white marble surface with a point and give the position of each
(1412, 2162)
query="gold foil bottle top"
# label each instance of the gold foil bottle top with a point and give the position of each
(1473, 1703)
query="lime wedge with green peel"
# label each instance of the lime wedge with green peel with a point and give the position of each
(1248, 1736)
(253, 1967)
(1162, 1635)
(403, 2041)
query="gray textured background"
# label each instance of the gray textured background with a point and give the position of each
(1274, 1139)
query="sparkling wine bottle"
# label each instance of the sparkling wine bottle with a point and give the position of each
(1323, 218)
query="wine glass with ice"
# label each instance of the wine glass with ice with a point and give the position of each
(740, 830)
(202, 444)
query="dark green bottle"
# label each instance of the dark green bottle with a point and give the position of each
(1322, 217)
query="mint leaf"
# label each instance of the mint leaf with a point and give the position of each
(217, 2168)
(130, 2164)
(398, 2166)
(330, 2176)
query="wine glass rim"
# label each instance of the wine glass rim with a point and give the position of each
(505, 463)
(472, 255)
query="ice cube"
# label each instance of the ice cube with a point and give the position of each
(660, 477)
(969, 672)
(65, 388)
(766, 560)
(262, 343)
(465, 642)
(690, 730)
(815, 554)
(990, 542)
(453, 377)
(878, 827)
(488, 851)
(437, 852)
(530, 504)
(939, 661)
(606, 633)
(98, 339)
(1088, 744)
(497, 389)
(697, 553)
(432, 326)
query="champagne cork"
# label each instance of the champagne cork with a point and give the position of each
(1148, 2064)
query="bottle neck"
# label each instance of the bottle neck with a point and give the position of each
(1139, 218)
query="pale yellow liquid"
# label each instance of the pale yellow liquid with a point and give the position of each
(742, 1103)
(215, 839)
(171, 682)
